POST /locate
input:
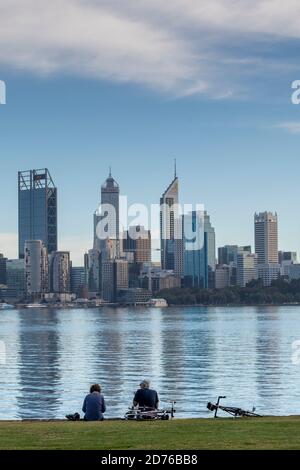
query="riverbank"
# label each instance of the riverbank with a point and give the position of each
(193, 434)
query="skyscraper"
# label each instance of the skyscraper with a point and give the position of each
(195, 250)
(171, 228)
(137, 240)
(37, 209)
(36, 268)
(110, 194)
(266, 237)
(60, 272)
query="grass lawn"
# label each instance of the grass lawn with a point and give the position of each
(259, 433)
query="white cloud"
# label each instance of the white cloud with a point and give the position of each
(182, 47)
(293, 127)
(9, 245)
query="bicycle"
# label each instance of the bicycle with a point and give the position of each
(233, 411)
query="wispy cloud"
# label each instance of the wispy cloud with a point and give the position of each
(182, 47)
(293, 127)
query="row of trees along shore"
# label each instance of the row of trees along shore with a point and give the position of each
(280, 292)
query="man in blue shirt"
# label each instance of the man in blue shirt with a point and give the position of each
(94, 404)
(145, 397)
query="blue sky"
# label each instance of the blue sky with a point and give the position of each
(202, 88)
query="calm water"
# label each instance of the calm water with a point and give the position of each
(191, 355)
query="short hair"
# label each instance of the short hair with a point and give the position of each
(145, 384)
(95, 388)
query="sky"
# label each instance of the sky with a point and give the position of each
(133, 85)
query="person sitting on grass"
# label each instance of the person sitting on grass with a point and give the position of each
(145, 397)
(94, 404)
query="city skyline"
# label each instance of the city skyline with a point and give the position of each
(77, 255)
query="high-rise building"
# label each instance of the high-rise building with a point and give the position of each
(246, 268)
(36, 268)
(60, 272)
(2, 270)
(211, 242)
(227, 255)
(15, 272)
(94, 271)
(79, 279)
(195, 250)
(137, 241)
(287, 257)
(266, 237)
(114, 279)
(37, 209)
(110, 194)
(171, 229)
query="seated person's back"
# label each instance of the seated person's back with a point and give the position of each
(146, 397)
(94, 404)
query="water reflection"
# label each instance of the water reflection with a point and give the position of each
(191, 355)
(39, 364)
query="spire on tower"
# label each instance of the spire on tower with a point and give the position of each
(175, 168)
(110, 171)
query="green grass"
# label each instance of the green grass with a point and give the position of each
(260, 433)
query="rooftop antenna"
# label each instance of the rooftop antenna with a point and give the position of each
(175, 168)
(110, 171)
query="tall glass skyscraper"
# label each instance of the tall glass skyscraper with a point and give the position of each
(195, 250)
(110, 194)
(37, 209)
(170, 229)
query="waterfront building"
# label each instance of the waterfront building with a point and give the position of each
(137, 240)
(266, 237)
(94, 271)
(3, 278)
(171, 229)
(222, 276)
(285, 257)
(15, 279)
(60, 272)
(79, 279)
(37, 196)
(268, 272)
(246, 268)
(195, 270)
(110, 195)
(36, 269)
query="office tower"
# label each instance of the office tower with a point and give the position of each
(211, 242)
(36, 268)
(2, 270)
(79, 279)
(268, 272)
(227, 254)
(246, 268)
(195, 250)
(94, 270)
(171, 229)
(114, 278)
(222, 276)
(110, 194)
(266, 237)
(137, 241)
(15, 274)
(287, 257)
(37, 209)
(60, 270)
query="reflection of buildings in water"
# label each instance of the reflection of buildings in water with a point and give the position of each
(9, 360)
(39, 371)
(108, 366)
(268, 356)
(187, 349)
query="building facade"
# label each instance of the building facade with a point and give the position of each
(36, 269)
(37, 209)
(60, 272)
(246, 268)
(195, 270)
(266, 237)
